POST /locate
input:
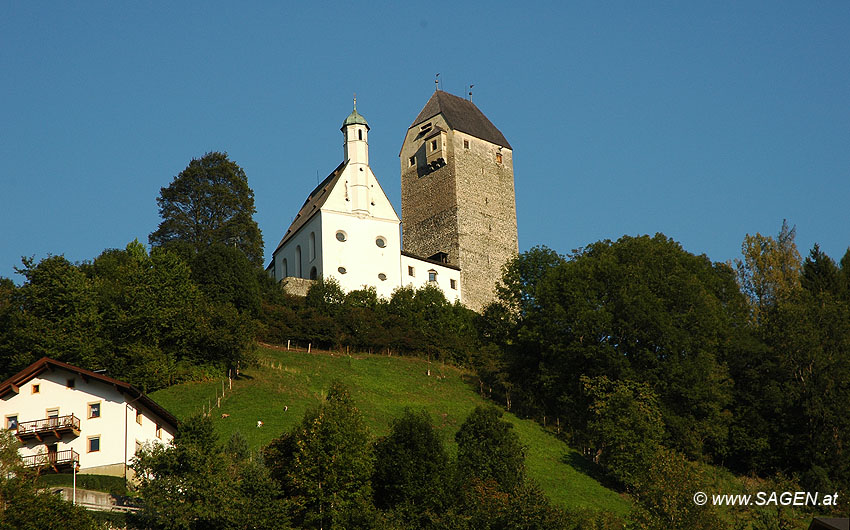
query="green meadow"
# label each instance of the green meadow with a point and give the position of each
(288, 383)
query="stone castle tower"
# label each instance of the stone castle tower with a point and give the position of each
(457, 194)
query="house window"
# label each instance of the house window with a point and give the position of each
(341, 270)
(411, 271)
(36, 389)
(159, 431)
(433, 145)
(52, 413)
(453, 283)
(138, 446)
(94, 444)
(381, 242)
(382, 277)
(138, 416)
(432, 275)
(94, 410)
(71, 383)
(411, 161)
(466, 144)
(340, 236)
(498, 158)
(12, 422)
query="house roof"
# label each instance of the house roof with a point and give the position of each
(830, 523)
(429, 260)
(313, 204)
(461, 115)
(13, 384)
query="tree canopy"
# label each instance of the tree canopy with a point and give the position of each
(209, 202)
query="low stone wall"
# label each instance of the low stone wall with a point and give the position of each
(296, 286)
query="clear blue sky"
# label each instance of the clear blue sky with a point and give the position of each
(702, 120)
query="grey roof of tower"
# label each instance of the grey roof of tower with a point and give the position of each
(461, 115)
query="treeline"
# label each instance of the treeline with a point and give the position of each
(414, 322)
(149, 319)
(330, 472)
(636, 347)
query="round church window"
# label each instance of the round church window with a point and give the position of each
(382, 276)
(342, 270)
(381, 242)
(340, 236)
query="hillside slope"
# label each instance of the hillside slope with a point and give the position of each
(287, 383)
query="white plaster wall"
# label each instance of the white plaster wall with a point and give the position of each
(420, 278)
(54, 393)
(288, 251)
(361, 257)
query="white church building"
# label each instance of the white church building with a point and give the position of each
(348, 230)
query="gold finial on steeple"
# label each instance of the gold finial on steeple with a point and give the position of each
(355, 101)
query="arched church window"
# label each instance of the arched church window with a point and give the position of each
(312, 246)
(298, 261)
(313, 273)
(284, 267)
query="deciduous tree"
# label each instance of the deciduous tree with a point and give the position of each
(209, 202)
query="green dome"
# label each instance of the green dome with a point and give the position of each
(355, 119)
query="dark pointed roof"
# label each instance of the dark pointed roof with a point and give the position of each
(313, 204)
(461, 115)
(13, 384)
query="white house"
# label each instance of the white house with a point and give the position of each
(347, 229)
(63, 414)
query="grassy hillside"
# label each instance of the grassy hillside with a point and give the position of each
(381, 387)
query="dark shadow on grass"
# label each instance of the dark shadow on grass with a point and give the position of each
(243, 376)
(586, 467)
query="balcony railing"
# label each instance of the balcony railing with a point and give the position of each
(56, 426)
(55, 459)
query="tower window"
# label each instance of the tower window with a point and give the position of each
(381, 242)
(498, 158)
(433, 145)
(411, 161)
(432, 275)
(359, 134)
(466, 144)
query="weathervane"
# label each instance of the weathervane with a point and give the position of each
(437, 82)
(355, 101)
(470, 92)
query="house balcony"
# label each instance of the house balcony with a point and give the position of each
(46, 427)
(58, 460)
